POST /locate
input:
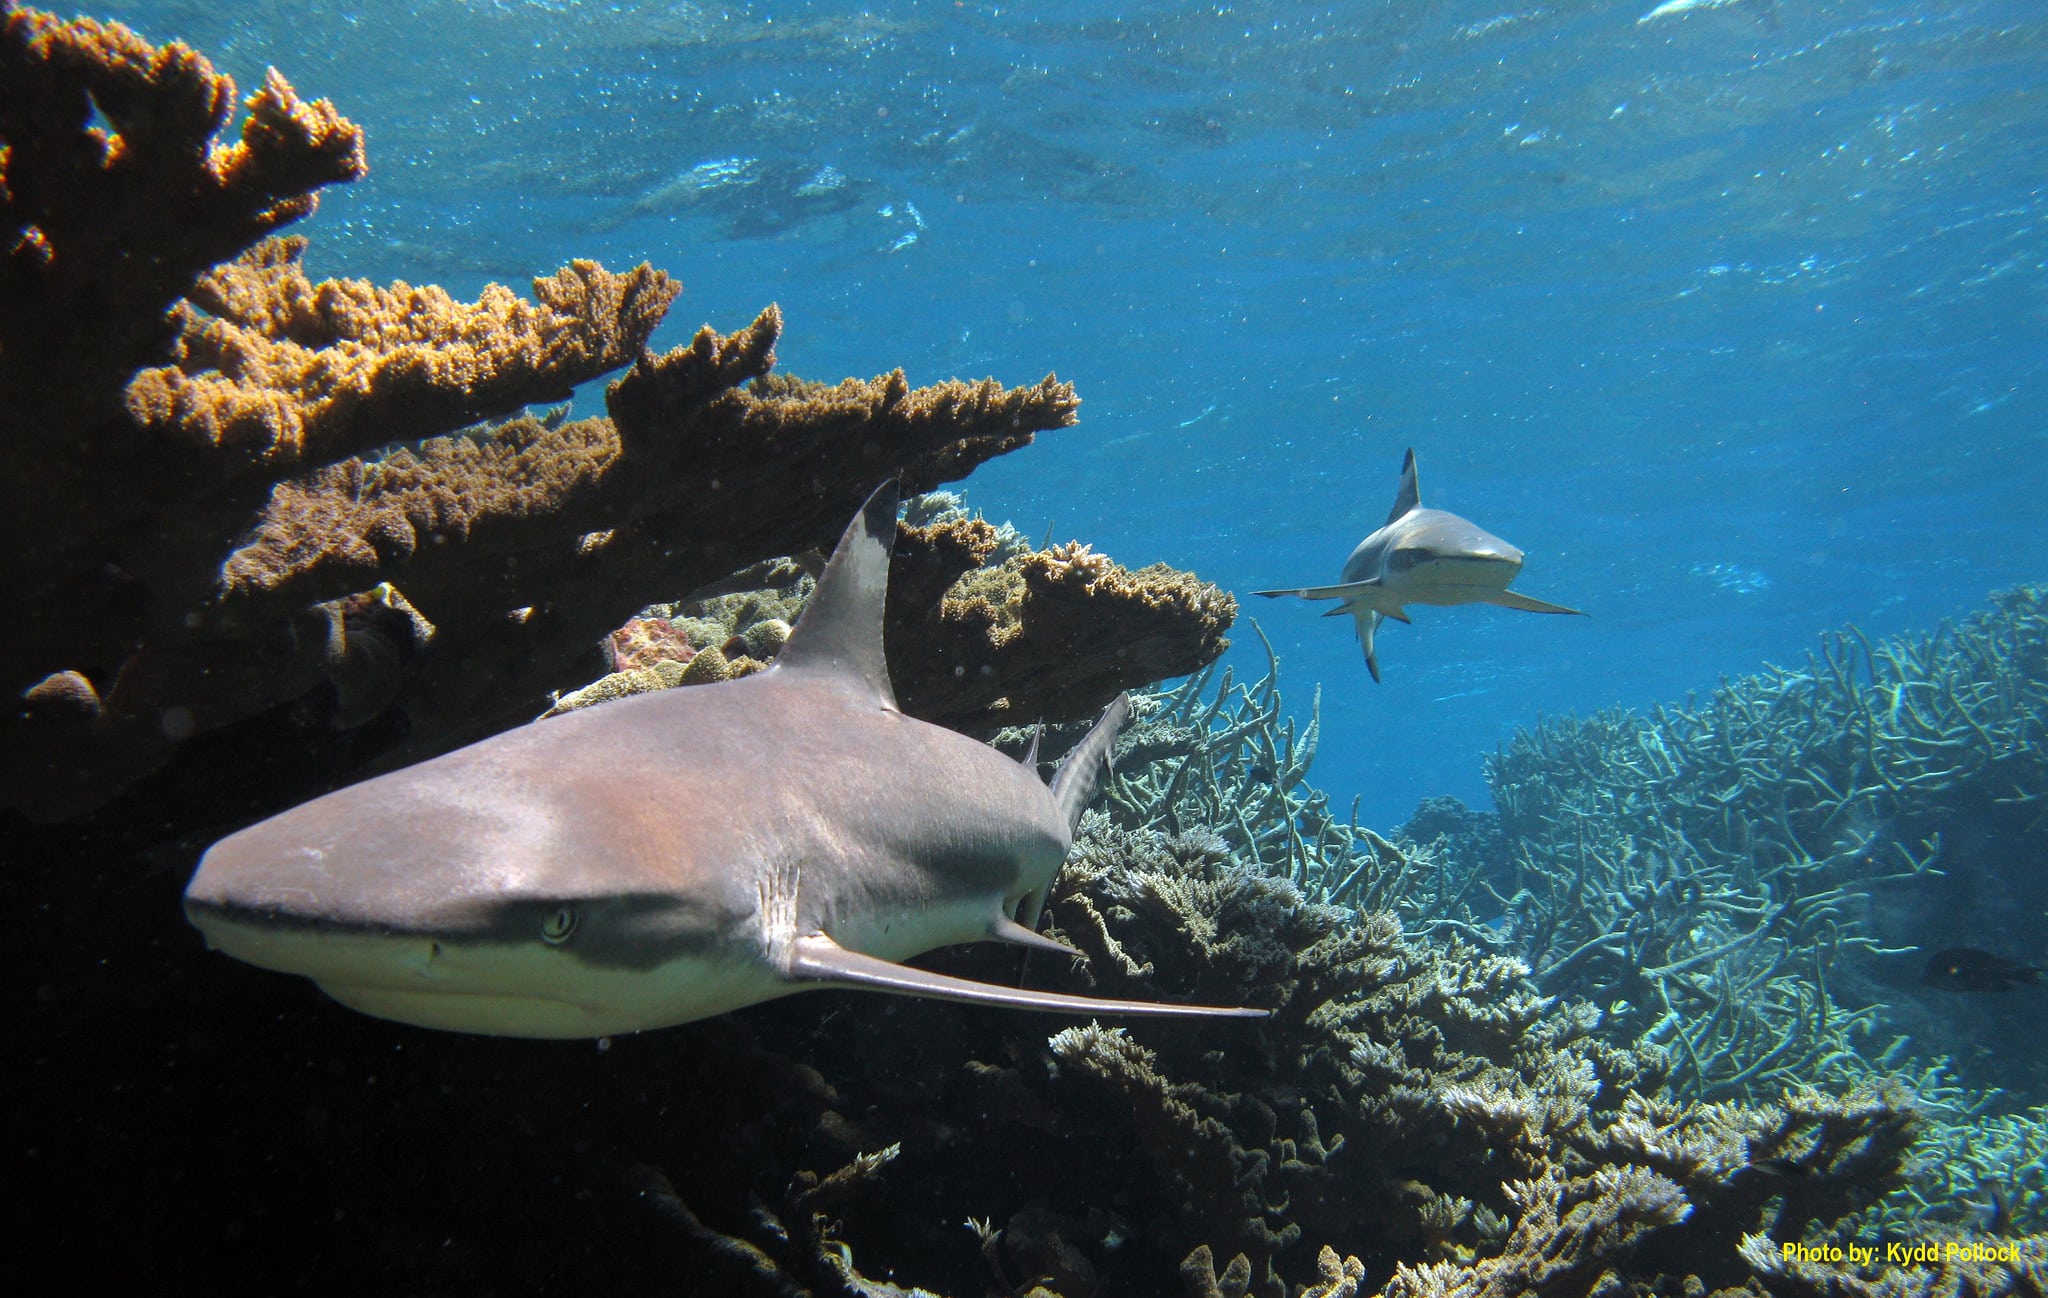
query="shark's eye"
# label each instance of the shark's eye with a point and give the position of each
(558, 924)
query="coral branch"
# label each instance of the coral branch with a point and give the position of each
(103, 227)
(272, 369)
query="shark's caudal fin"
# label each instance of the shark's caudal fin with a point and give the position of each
(1512, 599)
(1410, 495)
(840, 632)
(818, 959)
(1081, 773)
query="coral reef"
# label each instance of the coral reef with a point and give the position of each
(111, 160)
(981, 636)
(1468, 1085)
(1712, 868)
(1412, 1112)
(981, 630)
(1217, 753)
(199, 503)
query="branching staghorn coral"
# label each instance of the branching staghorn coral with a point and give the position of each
(1977, 1166)
(1215, 753)
(1708, 866)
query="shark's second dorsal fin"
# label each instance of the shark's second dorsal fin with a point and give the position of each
(1410, 495)
(840, 632)
(1076, 780)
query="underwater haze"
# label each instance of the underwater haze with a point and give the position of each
(1729, 976)
(1730, 315)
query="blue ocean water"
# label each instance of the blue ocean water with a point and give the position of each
(1731, 316)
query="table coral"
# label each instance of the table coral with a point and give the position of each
(270, 368)
(198, 501)
(111, 160)
(981, 631)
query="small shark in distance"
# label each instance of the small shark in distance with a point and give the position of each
(673, 855)
(1421, 556)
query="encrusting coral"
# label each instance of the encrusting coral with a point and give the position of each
(213, 476)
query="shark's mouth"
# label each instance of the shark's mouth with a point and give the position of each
(466, 1011)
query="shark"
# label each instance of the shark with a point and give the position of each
(674, 855)
(1421, 556)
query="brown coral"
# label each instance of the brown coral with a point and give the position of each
(1032, 653)
(273, 369)
(189, 502)
(1050, 635)
(1412, 1113)
(152, 192)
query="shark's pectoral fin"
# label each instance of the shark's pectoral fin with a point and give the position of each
(1343, 590)
(1510, 599)
(816, 958)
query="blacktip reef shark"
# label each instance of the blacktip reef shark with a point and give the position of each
(1421, 556)
(674, 855)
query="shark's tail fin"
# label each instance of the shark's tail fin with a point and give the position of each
(1081, 773)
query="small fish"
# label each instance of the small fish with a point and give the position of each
(1783, 1168)
(1966, 969)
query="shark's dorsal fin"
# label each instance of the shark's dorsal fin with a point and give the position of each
(1410, 495)
(1080, 774)
(840, 632)
(816, 958)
